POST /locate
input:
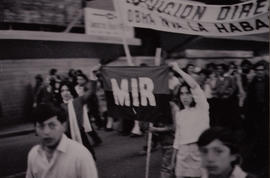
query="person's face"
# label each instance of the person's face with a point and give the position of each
(185, 96)
(217, 158)
(260, 71)
(232, 67)
(80, 80)
(57, 84)
(50, 132)
(190, 69)
(65, 93)
(245, 68)
(220, 70)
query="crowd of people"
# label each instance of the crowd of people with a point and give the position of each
(238, 98)
(210, 109)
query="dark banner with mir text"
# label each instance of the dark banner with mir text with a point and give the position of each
(137, 93)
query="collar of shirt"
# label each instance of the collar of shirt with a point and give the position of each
(62, 146)
(237, 173)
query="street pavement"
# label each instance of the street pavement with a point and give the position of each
(117, 157)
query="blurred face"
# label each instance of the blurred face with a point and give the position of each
(50, 132)
(47, 81)
(260, 71)
(57, 84)
(245, 68)
(185, 96)
(80, 80)
(232, 67)
(202, 77)
(65, 93)
(217, 158)
(220, 70)
(190, 69)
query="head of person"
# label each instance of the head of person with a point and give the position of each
(260, 68)
(53, 71)
(71, 72)
(211, 67)
(67, 91)
(185, 99)
(190, 68)
(221, 69)
(57, 82)
(246, 65)
(219, 148)
(50, 124)
(39, 79)
(82, 79)
(232, 66)
(203, 75)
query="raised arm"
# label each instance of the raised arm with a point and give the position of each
(91, 86)
(196, 90)
(188, 79)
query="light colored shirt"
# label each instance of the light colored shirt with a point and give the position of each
(191, 122)
(69, 160)
(237, 173)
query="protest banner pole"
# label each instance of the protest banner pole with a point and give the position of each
(125, 45)
(150, 135)
(158, 57)
(148, 153)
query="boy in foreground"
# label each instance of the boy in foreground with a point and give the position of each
(57, 155)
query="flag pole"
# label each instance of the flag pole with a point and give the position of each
(124, 40)
(148, 153)
(150, 134)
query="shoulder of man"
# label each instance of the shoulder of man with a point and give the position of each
(75, 147)
(33, 152)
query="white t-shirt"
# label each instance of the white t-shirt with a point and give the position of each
(191, 122)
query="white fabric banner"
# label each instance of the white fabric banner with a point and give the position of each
(184, 10)
(140, 16)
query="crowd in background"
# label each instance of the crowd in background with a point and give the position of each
(237, 95)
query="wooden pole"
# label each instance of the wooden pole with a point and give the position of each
(150, 135)
(125, 45)
(74, 21)
(148, 153)
(158, 57)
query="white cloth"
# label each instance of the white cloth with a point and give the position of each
(86, 121)
(73, 123)
(70, 160)
(191, 122)
(237, 173)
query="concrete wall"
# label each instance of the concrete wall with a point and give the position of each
(17, 82)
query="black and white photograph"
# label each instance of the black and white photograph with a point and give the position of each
(134, 88)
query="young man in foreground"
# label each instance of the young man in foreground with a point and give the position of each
(57, 156)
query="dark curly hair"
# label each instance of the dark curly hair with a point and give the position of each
(70, 88)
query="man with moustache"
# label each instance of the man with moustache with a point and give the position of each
(57, 155)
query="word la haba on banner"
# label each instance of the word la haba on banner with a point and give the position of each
(197, 19)
(137, 93)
